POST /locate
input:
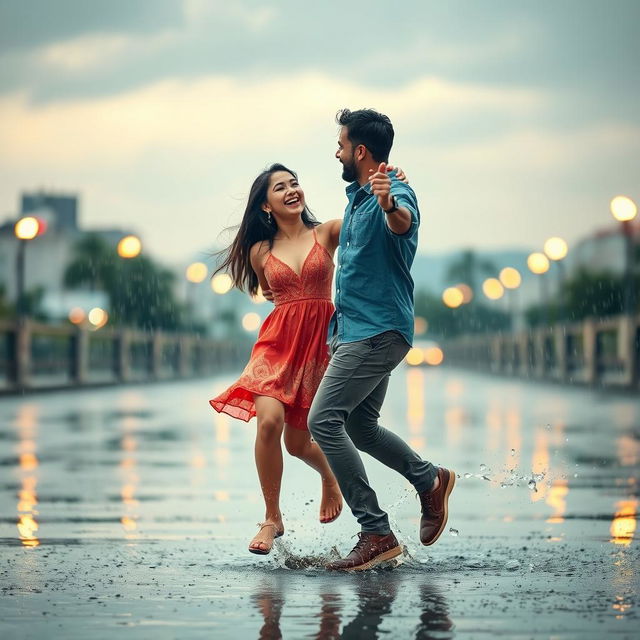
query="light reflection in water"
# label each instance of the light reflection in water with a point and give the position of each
(130, 479)
(623, 526)
(493, 420)
(628, 450)
(415, 408)
(27, 423)
(557, 501)
(540, 463)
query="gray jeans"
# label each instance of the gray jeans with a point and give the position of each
(344, 418)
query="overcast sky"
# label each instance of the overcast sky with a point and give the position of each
(515, 120)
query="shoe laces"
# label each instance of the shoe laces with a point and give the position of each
(426, 501)
(361, 541)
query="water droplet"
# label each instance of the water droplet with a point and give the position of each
(548, 427)
(467, 475)
(532, 485)
(483, 467)
(503, 485)
(512, 564)
(513, 452)
(453, 532)
(575, 475)
(487, 478)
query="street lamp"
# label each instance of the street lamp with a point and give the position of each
(452, 297)
(129, 247)
(511, 279)
(624, 210)
(538, 263)
(492, 288)
(556, 249)
(25, 229)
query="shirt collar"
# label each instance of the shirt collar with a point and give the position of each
(355, 186)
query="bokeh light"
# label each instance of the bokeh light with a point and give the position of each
(452, 297)
(433, 356)
(492, 288)
(129, 247)
(77, 315)
(98, 317)
(415, 356)
(556, 248)
(196, 272)
(250, 321)
(467, 292)
(538, 263)
(27, 228)
(623, 208)
(420, 325)
(221, 283)
(510, 278)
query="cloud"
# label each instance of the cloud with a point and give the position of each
(224, 113)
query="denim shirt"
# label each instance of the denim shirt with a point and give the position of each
(374, 287)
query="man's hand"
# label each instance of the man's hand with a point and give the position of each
(381, 186)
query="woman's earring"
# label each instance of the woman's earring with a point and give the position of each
(269, 217)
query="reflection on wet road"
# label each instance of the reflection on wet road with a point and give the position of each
(133, 506)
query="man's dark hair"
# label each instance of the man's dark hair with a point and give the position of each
(370, 128)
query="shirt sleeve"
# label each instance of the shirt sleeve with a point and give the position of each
(405, 197)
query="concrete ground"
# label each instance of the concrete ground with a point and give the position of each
(128, 511)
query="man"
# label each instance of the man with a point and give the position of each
(370, 334)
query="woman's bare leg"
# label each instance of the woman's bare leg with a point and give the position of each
(268, 454)
(299, 444)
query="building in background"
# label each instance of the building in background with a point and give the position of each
(48, 255)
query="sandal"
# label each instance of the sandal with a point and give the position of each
(276, 534)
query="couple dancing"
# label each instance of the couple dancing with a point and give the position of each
(297, 385)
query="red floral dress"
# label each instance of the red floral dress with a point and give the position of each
(291, 354)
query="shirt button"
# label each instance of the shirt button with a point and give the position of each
(347, 244)
(338, 291)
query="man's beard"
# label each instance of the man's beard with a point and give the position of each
(349, 171)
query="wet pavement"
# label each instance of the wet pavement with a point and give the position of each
(126, 512)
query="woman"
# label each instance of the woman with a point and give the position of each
(282, 248)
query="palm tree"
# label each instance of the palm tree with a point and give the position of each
(468, 268)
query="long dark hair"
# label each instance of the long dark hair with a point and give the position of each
(255, 226)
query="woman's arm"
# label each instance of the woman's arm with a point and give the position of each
(329, 233)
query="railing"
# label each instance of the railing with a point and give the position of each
(40, 356)
(603, 352)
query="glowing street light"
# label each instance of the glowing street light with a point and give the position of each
(624, 210)
(196, 272)
(510, 278)
(97, 317)
(221, 283)
(25, 229)
(433, 356)
(556, 249)
(538, 263)
(250, 321)
(77, 315)
(452, 297)
(129, 247)
(467, 292)
(492, 288)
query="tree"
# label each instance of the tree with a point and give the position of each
(140, 291)
(468, 268)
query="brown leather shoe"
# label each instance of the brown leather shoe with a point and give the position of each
(435, 507)
(370, 550)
